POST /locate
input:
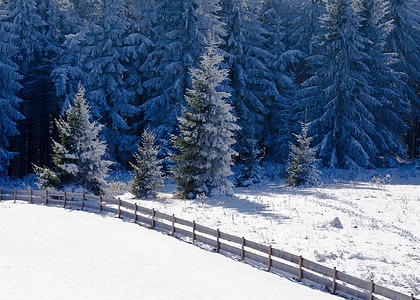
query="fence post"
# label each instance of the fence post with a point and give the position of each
(14, 196)
(83, 200)
(173, 224)
(30, 196)
(372, 289)
(270, 252)
(300, 268)
(243, 249)
(193, 232)
(334, 280)
(135, 212)
(46, 197)
(65, 199)
(119, 207)
(153, 218)
(218, 241)
(100, 203)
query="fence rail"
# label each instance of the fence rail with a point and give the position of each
(274, 259)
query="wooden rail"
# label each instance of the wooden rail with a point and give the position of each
(274, 259)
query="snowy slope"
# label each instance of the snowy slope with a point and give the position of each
(379, 211)
(52, 253)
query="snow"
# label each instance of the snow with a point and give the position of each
(53, 253)
(379, 211)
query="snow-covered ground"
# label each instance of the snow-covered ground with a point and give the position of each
(53, 253)
(379, 211)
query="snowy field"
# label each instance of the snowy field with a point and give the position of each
(379, 211)
(52, 253)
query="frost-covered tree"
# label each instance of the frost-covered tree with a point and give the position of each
(27, 26)
(249, 172)
(339, 97)
(206, 132)
(284, 64)
(40, 26)
(405, 37)
(147, 176)
(253, 46)
(86, 10)
(100, 55)
(404, 40)
(301, 168)
(9, 89)
(386, 83)
(79, 156)
(302, 22)
(177, 31)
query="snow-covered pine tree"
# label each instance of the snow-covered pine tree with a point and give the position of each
(405, 41)
(147, 176)
(79, 156)
(164, 70)
(386, 83)
(206, 131)
(338, 95)
(29, 28)
(253, 46)
(101, 55)
(9, 89)
(249, 74)
(301, 168)
(249, 172)
(283, 63)
(178, 32)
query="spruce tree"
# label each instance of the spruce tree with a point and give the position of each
(206, 132)
(339, 96)
(301, 168)
(9, 89)
(147, 176)
(249, 171)
(387, 84)
(79, 156)
(100, 56)
(255, 96)
(178, 32)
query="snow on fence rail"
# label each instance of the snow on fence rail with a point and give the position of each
(274, 259)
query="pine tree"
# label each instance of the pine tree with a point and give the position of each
(386, 83)
(79, 156)
(100, 56)
(178, 32)
(301, 168)
(147, 176)
(9, 89)
(404, 40)
(339, 95)
(206, 132)
(249, 160)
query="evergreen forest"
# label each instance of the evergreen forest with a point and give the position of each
(349, 68)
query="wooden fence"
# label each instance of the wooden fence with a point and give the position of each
(274, 259)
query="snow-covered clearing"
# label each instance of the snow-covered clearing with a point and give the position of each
(379, 212)
(53, 253)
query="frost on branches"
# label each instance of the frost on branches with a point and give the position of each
(78, 158)
(301, 168)
(147, 177)
(206, 132)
